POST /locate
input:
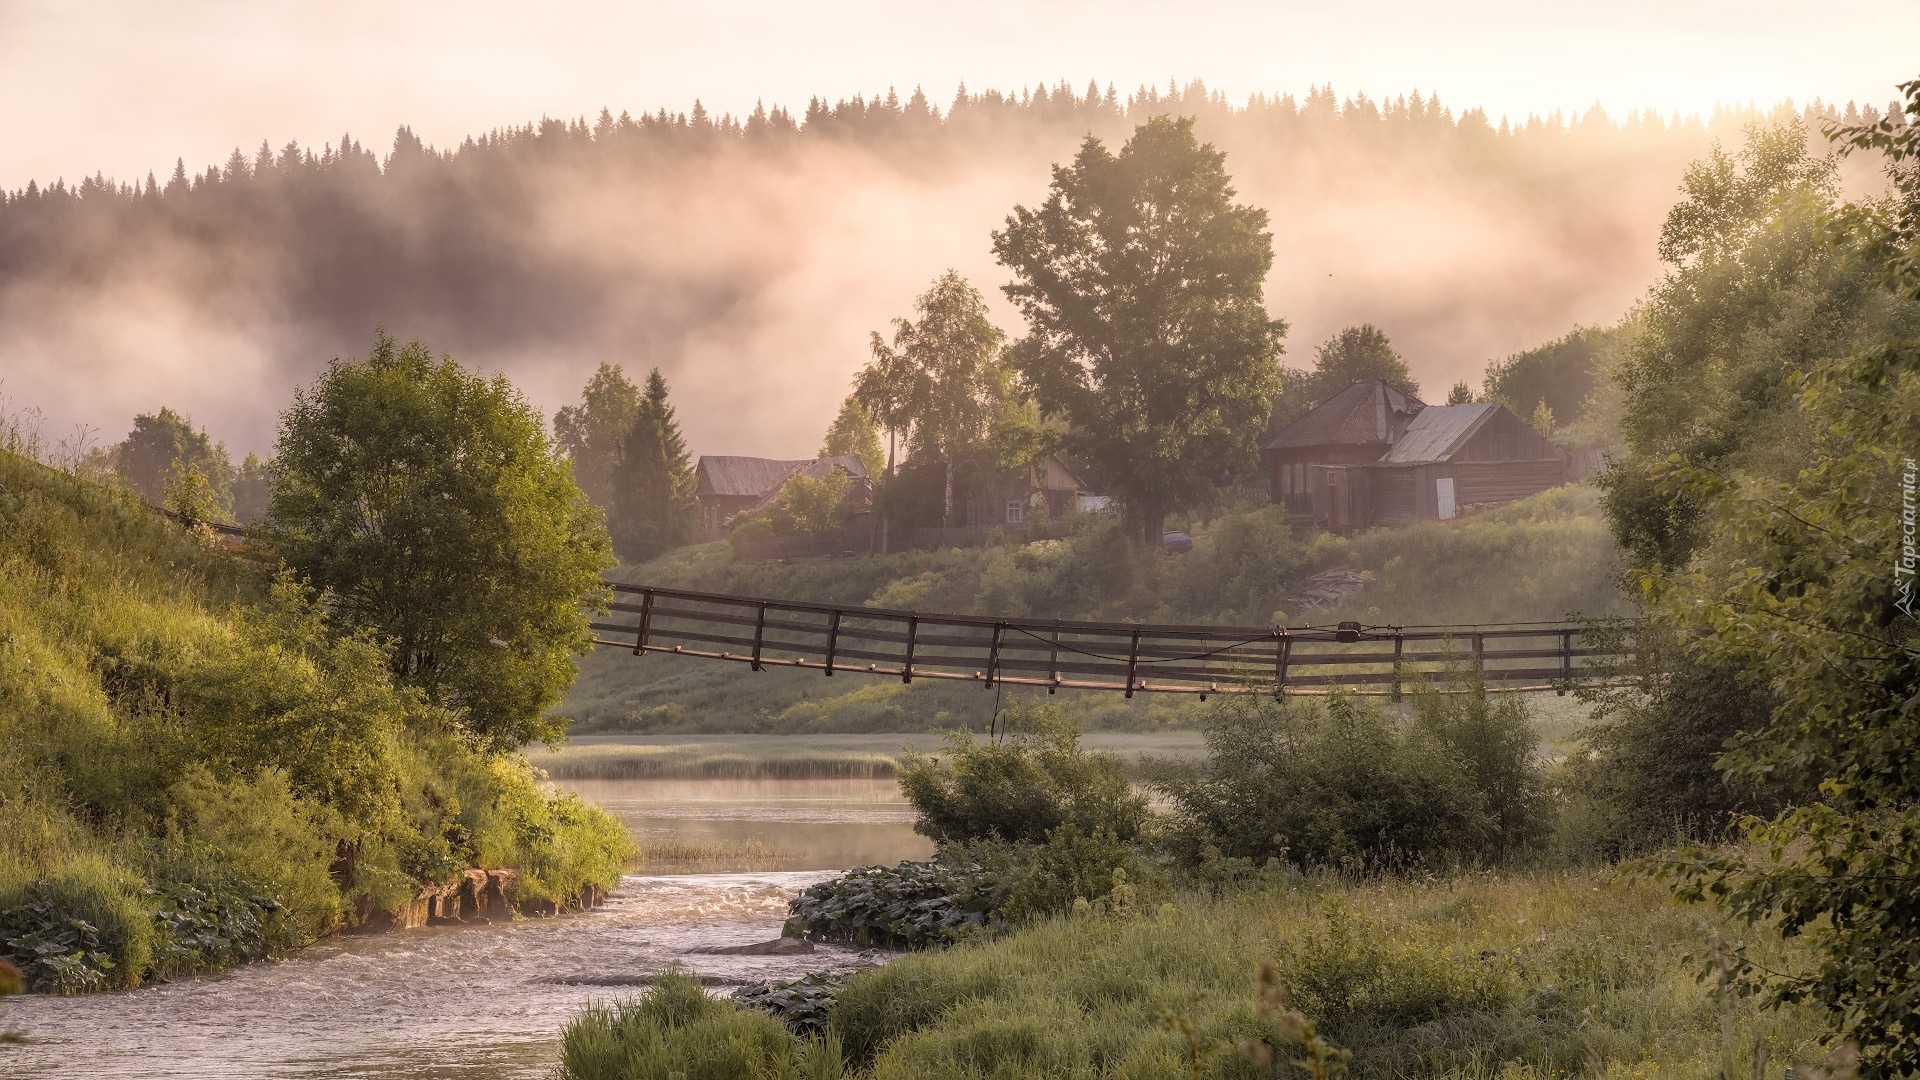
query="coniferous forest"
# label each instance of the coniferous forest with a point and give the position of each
(717, 246)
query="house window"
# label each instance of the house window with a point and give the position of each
(1300, 476)
(1016, 511)
(1286, 479)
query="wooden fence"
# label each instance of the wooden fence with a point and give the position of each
(1125, 657)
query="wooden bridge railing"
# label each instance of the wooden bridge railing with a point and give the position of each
(1130, 658)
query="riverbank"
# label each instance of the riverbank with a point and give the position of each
(438, 1003)
(198, 771)
(1515, 974)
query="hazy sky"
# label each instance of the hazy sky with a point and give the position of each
(125, 86)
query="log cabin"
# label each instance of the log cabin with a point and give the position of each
(1375, 455)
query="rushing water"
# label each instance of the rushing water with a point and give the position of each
(452, 1002)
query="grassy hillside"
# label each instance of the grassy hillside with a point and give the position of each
(1539, 558)
(199, 771)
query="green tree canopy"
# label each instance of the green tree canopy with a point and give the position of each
(164, 443)
(1799, 571)
(431, 504)
(1141, 282)
(591, 432)
(946, 372)
(654, 508)
(855, 432)
(1756, 290)
(1562, 373)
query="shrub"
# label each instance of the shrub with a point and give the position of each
(1339, 784)
(676, 1031)
(1021, 789)
(258, 836)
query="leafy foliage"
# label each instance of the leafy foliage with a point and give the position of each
(1563, 374)
(592, 432)
(1023, 788)
(802, 1004)
(910, 906)
(164, 445)
(1141, 282)
(855, 431)
(1803, 587)
(1352, 355)
(431, 505)
(198, 766)
(56, 951)
(942, 380)
(1345, 785)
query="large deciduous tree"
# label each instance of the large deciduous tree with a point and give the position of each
(855, 432)
(1141, 281)
(432, 506)
(1804, 580)
(943, 378)
(591, 432)
(164, 446)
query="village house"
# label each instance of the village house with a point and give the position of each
(1374, 455)
(729, 485)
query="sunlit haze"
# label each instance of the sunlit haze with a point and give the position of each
(124, 89)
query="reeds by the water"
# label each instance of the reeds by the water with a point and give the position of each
(669, 853)
(716, 761)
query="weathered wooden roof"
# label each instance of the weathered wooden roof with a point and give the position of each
(1369, 411)
(747, 476)
(1438, 432)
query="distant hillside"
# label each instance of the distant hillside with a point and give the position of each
(1539, 558)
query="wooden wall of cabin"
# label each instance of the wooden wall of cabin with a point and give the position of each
(1407, 494)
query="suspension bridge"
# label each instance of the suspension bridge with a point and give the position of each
(1129, 658)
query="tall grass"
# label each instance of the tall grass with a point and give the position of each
(1521, 975)
(187, 750)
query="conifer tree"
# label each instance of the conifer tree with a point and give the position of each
(654, 508)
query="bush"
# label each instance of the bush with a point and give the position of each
(676, 1032)
(1343, 784)
(1647, 771)
(1021, 789)
(255, 836)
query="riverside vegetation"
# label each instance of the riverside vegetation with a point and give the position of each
(204, 760)
(1337, 889)
(1414, 904)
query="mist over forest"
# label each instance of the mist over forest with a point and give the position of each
(749, 258)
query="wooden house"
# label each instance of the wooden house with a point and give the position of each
(1337, 472)
(728, 485)
(1356, 426)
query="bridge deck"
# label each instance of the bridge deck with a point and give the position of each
(1126, 657)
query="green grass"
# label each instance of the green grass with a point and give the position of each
(1518, 975)
(1536, 559)
(169, 717)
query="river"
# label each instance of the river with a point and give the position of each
(449, 1002)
